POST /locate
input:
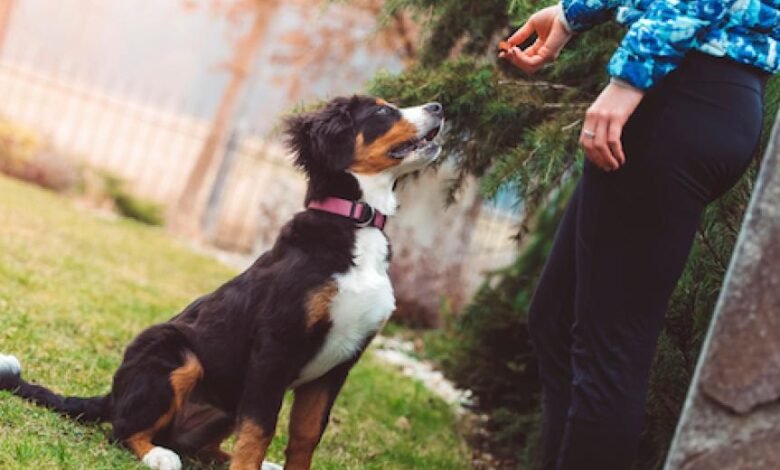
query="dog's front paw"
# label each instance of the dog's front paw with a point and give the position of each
(160, 458)
(271, 466)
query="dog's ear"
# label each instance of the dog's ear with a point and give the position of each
(324, 141)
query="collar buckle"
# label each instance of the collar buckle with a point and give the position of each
(365, 210)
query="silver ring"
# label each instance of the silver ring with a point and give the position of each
(371, 218)
(588, 134)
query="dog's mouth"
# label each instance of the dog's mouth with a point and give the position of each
(432, 134)
(405, 148)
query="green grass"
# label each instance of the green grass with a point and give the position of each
(75, 288)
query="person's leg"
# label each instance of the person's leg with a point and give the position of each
(629, 257)
(550, 318)
(634, 233)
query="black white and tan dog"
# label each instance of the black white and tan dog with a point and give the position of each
(298, 318)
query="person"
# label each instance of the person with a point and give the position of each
(675, 128)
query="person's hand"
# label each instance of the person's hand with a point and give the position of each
(551, 37)
(604, 123)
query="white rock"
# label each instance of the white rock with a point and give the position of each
(395, 352)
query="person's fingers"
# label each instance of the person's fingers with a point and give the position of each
(597, 144)
(529, 60)
(613, 140)
(510, 55)
(600, 144)
(533, 49)
(546, 54)
(593, 139)
(529, 64)
(586, 139)
(522, 34)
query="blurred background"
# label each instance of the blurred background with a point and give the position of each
(166, 110)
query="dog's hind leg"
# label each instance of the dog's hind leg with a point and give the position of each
(149, 389)
(198, 431)
(181, 381)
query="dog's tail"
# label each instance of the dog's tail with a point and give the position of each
(93, 409)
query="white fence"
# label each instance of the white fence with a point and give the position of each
(152, 146)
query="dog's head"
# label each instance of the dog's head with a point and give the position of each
(356, 140)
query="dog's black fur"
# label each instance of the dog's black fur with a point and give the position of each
(250, 338)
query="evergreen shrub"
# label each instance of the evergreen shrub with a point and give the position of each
(521, 133)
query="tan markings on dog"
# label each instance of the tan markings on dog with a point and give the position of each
(381, 102)
(251, 447)
(183, 380)
(140, 443)
(308, 411)
(373, 158)
(318, 303)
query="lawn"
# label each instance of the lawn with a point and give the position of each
(76, 287)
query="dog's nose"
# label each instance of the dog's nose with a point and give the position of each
(435, 109)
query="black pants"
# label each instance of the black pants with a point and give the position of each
(620, 249)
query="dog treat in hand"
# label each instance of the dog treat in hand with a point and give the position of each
(504, 46)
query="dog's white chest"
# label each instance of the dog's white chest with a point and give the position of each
(362, 306)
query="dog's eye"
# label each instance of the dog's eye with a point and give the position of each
(384, 110)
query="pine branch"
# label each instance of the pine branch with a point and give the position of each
(565, 105)
(536, 84)
(571, 126)
(705, 240)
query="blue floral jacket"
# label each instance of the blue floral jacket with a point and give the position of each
(661, 32)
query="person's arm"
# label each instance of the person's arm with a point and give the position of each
(653, 47)
(581, 15)
(656, 43)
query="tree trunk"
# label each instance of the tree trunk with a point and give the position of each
(187, 212)
(6, 8)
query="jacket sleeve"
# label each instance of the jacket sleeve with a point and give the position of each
(656, 43)
(581, 15)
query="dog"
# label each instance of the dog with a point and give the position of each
(299, 318)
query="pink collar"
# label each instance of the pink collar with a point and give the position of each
(359, 212)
